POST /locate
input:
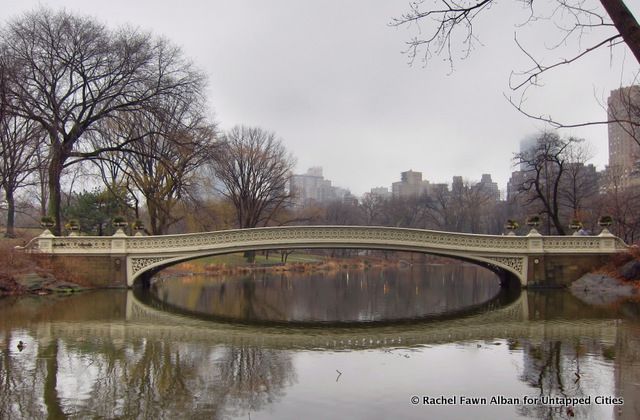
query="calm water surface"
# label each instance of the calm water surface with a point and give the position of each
(335, 297)
(173, 353)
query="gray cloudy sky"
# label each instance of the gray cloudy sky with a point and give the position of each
(330, 79)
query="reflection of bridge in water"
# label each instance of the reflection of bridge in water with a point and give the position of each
(512, 321)
(133, 360)
(140, 321)
(532, 259)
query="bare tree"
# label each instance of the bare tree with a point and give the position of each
(19, 140)
(410, 212)
(254, 169)
(445, 23)
(580, 186)
(463, 209)
(621, 202)
(545, 168)
(173, 139)
(41, 181)
(341, 212)
(71, 72)
(479, 204)
(439, 214)
(372, 207)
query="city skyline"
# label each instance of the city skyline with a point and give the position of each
(331, 81)
(312, 186)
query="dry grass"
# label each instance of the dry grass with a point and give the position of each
(12, 261)
(15, 261)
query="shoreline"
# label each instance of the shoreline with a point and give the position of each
(322, 264)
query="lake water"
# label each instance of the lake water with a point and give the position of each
(331, 345)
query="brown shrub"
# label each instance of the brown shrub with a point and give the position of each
(620, 259)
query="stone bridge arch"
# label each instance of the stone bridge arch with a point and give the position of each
(509, 269)
(123, 259)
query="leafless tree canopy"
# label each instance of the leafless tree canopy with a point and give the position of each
(68, 73)
(254, 169)
(556, 183)
(173, 140)
(443, 25)
(19, 142)
(19, 139)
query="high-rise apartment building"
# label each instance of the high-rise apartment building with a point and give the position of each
(488, 187)
(410, 184)
(381, 192)
(312, 187)
(623, 106)
(528, 145)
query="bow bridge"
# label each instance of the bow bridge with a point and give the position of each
(121, 260)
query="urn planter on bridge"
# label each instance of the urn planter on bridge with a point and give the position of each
(138, 227)
(533, 222)
(575, 226)
(47, 222)
(119, 222)
(511, 226)
(604, 222)
(73, 226)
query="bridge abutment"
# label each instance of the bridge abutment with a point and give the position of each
(556, 271)
(96, 271)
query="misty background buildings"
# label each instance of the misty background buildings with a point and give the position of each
(623, 163)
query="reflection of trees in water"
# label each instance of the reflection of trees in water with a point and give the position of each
(348, 295)
(140, 379)
(552, 368)
(254, 377)
(16, 399)
(28, 379)
(49, 358)
(626, 357)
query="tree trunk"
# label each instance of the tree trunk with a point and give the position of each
(50, 394)
(11, 213)
(625, 23)
(55, 195)
(43, 198)
(44, 188)
(250, 256)
(153, 217)
(557, 224)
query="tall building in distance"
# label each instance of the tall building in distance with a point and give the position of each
(381, 192)
(528, 145)
(312, 187)
(488, 187)
(410, 184)
(623, 105)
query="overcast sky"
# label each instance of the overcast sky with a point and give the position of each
(330, 79)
